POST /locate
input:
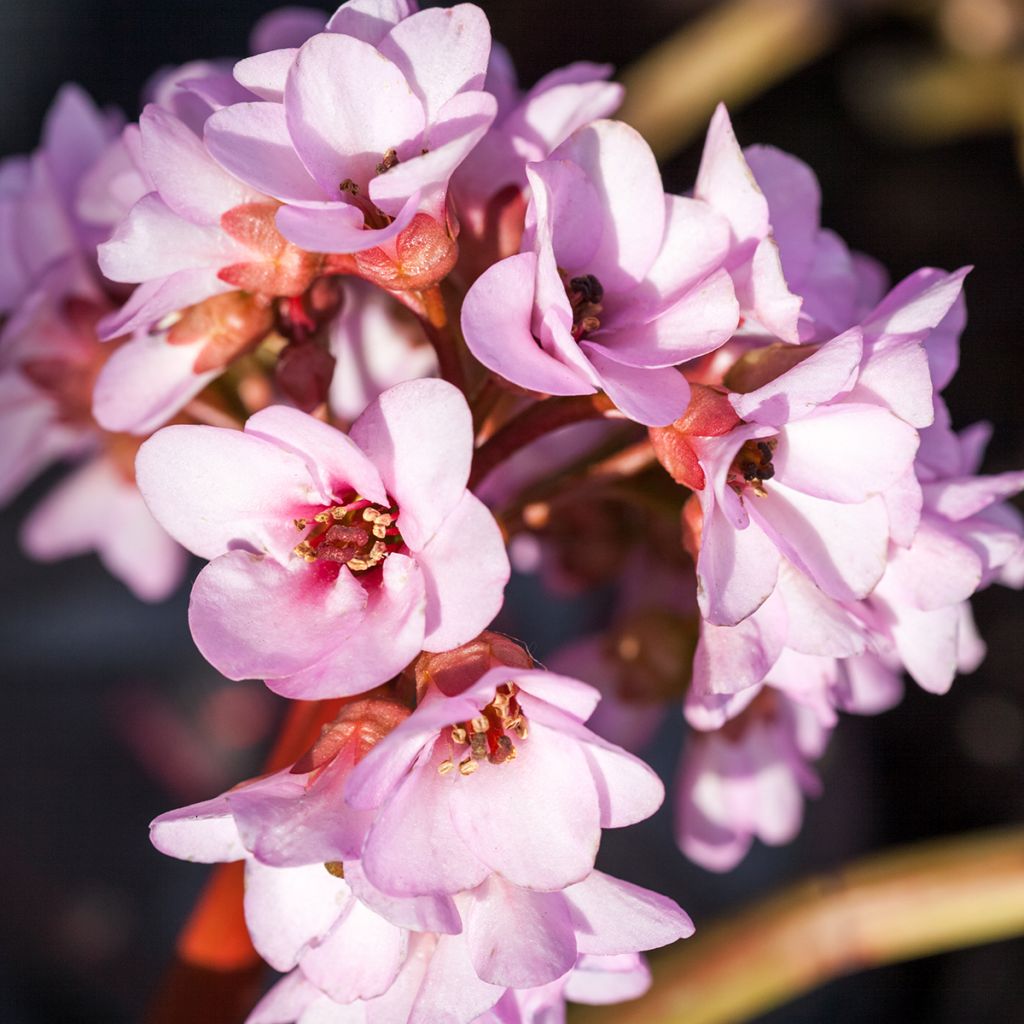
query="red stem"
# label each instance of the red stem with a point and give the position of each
(439, 331)
(534, 422)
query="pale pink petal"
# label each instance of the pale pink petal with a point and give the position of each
(654, 397)
(938, 569)
(612, 916)
(386, 638)
(562, 213)
(332, 458)
(203, 832)
(433, 913)
(146, 382)
(814, 534)
(599, 980)
(518, 938)
(252, 617)
(799, 391)
(501, 810)
(251, 141)
(465, 568)
(369, 20)
(413, 848)
(761, 288)
(441, 52)
(338, 227)
(624, 173)
(896, 374)
(266, 73)
(451, 981)
(928, 646)
(917, 304)
(700, 321)
(288, 819)
(359, 958)
(286, 1002)
(419, 435)
(185, 175)
(816, 623)
(214, 489)
(496, 322)
(727, 183)
(341, 132)
(806, 458)
(153, 300)
(288, 909)
(963, 497)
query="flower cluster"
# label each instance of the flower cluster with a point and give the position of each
(330, 318)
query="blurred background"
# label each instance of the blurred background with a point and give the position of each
(908, 113)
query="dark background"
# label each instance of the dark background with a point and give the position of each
(112, 717)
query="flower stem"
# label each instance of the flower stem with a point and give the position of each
(910, 902)
(533, 423)
(439, 330)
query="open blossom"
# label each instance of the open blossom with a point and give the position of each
(774, 485)
(470, 782)
(359, 130)
(748, 779)
(335, 559)
(616, 284)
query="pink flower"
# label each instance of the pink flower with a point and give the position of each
(335, 559)
(793, 280)
(361, 128)
(747, 780)
(471, 782)
(810, 469)
(616, 284)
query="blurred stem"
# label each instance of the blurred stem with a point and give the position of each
(928, 898)
(533, 423)
(733, 52)
(438, 327)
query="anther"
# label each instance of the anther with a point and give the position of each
(468, 766)
(335, 867)
(445, 766)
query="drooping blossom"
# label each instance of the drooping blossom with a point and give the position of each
(747, 779)
(615, 286)
(358, 131)
(334, 559)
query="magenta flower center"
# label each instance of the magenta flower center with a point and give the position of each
(753, 466)
(585, 295)
(357, 534)
(486, 737)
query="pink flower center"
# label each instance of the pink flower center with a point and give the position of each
(486, 737)
(585, 295)
(753, 466)
(358, 534)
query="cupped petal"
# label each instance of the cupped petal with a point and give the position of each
(939, 568)
(346, 105)
(877, 450)
(613, 916)
(699, 322)
(563, 201)
(266, 73)
(817, 536)
(369, 20)
(338, 227)
(465, 568)
(623, 171)
(503, 813)
(823, 375)
(496, 322)
(332, 458)
(189, 181)
(251, 141)
(287, 910)
(360, 957)
(450, 981)
(203, 832)
(518, 938)
(654, 396)
(412, 848)
(153, 300)
(763, 292)
(387, 636)
(214, 489)
(815, 623)
(434, 913)
(600, 980)
(146, 382)
(419, 434)
(252, 617)
(286, 1002)
(441, 52)
(286, 26)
